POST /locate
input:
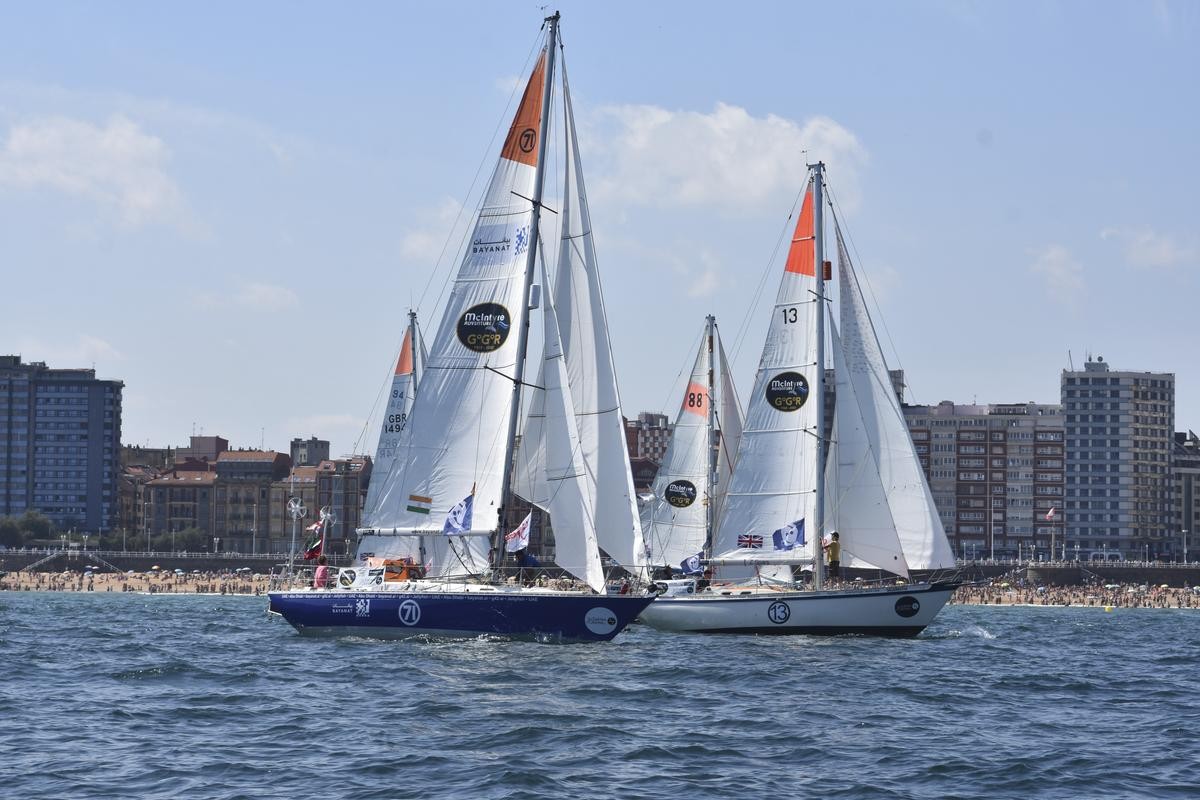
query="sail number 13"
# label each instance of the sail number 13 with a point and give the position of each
(789, 315)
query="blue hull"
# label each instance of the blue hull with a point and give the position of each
(510, 615)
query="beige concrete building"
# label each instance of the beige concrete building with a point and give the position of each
(997, 475)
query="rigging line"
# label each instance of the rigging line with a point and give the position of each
(835, 205)
(744, 327)
(673, 391)
(537, 45)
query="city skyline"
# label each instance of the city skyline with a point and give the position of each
(237, 233)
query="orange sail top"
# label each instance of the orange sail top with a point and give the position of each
(695, 400)
(522, 142)
(404, 365)
(802, 257)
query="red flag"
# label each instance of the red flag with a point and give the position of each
(1050, 513)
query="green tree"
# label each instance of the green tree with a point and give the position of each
(11, 534)
(37, 525)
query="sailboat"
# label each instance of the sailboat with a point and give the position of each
(409, 366)
(445, 498)
(784, 489)
(689, 488)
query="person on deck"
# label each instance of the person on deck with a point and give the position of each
(833, 556)
(320, 574)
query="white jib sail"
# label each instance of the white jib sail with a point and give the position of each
(677, 520)
(856, 504)
(774, 482)
(455, 440)
(730, 421)
(395, 419)
(917, 523)
(564, 489)
(579, 305)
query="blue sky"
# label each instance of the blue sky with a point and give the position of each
(232, 206)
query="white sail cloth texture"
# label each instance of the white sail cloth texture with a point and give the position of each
(455, 439)
(774, 482)
(579, 307)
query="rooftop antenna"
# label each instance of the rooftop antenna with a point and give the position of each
(1070, 361)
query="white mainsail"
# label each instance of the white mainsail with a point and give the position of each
(579, 306)
(916, 521)
(677, 526)
(774, 484)
(407, 375)
(455, 445)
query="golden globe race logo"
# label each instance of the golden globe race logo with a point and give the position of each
(680, 494)
(485, 327)
(787, 391)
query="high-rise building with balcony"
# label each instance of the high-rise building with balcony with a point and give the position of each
(996, 473)
(60, 444)
(1120, 490)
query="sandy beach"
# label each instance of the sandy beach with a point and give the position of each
(154, 582)
(168, 582)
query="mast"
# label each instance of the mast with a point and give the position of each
(819, 244)
(713, 444)
(514, 413)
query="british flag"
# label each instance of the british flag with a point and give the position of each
(750, 540)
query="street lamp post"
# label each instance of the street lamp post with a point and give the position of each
(1185, 545)
(254, 532)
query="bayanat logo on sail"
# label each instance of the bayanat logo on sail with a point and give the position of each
(497, 239)
(787, 391)
(485, 327)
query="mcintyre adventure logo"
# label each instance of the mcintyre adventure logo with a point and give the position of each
(787, 391)
(484, 328)
(680, 494)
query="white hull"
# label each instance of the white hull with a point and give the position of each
(892, 611)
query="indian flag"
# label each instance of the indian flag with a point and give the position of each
(419, 504)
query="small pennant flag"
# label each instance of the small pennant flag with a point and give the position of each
(315, 527)
(1050, 513)
(458, 521)
(789, 537)
(518, 539)
(419, 504)
(690, 565)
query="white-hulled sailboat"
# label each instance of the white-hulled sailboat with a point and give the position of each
(455, 460)
(783, 489)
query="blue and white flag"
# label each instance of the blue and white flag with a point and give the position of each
(691, 565)
(789, 537)
(458, 521)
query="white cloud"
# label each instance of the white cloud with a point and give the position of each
(1147, 249)
(266, 297)
(1062, 274)
(510, 84)
(118, 166)
(727, 159)
(426, 243)
(83, 353)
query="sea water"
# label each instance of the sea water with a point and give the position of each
(159, 696)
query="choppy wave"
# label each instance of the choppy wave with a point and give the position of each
(205, 697)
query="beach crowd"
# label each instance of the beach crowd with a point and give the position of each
(1108, 595)
(152, 582)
